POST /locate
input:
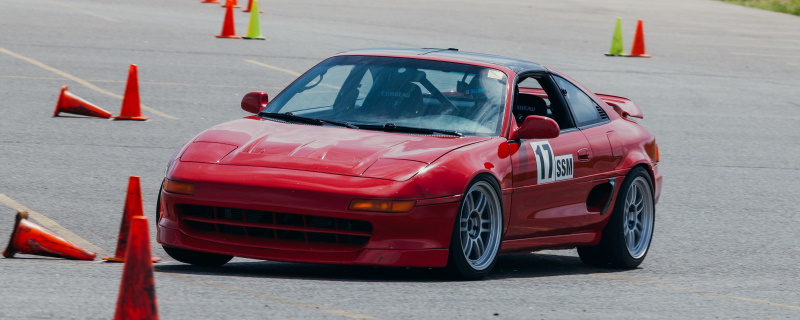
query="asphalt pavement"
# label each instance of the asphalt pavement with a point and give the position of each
(720, 94)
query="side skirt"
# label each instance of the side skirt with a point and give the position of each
(551, 242)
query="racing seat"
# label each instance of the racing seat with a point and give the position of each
(529, 105)
(395, 98)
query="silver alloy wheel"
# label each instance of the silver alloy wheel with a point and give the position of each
(638, 217)
(480, 225)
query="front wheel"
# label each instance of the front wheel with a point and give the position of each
(626, 238)
(477, 231)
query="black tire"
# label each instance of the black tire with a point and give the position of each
(620, 246)
(203, 259)
(473, 249)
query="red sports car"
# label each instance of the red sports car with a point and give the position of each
(417, 158)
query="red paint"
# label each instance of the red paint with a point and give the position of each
(254, 102)
(312, 173)
(623, 106)
(536, 127)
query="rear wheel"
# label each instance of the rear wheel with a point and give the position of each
(477, 231)
(626, 238)
(197, 258)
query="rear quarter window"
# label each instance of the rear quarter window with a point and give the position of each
(583, 107)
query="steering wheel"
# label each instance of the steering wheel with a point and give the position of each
(437, 94)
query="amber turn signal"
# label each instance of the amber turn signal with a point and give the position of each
(178, 187)
(382, 205)
(658, 154)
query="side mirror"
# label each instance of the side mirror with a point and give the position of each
(536, 127)
(254, 102)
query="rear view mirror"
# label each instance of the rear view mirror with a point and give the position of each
(254, 102)
(462, 86)
(536, 127)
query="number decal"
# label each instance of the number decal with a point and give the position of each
(544, 161)
(549, 167)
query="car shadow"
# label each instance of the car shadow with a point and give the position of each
(529, 265)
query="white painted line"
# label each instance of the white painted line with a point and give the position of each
(146, 83)
(80, 81)
(286, 71)
(272, 67)
(86, 12)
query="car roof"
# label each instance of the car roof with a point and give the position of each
(515, 65)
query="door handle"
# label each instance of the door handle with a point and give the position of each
(584, 155)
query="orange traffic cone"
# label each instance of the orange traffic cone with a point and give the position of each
(637, 50)
(137, 290)
(133, 207)
(250, 7)
(31, 238)
(70, 103)
(209, 1)
(131, 107)
(235, 4)
(228, 29)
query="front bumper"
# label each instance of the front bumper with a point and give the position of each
(262, 213)
(378, 257)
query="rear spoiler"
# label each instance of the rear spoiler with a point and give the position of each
(624, 106)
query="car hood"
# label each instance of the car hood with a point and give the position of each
(263, 143)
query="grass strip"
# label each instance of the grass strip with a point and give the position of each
(784, 6)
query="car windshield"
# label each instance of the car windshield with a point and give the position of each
(397, 93)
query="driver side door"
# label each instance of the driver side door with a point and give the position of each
(547, 197)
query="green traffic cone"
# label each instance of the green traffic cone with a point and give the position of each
(254, 31)
(616, 41)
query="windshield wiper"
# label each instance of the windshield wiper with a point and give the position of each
(391, 127)
(290, 117)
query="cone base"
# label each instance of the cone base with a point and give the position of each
(254, 38)
(58, 114)
(57, 110)
(259, 11)
(100, 114)
(615, 55)
(139, 118)
(228, 37)
(21, 215)
(122, 259)
(639, 56)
